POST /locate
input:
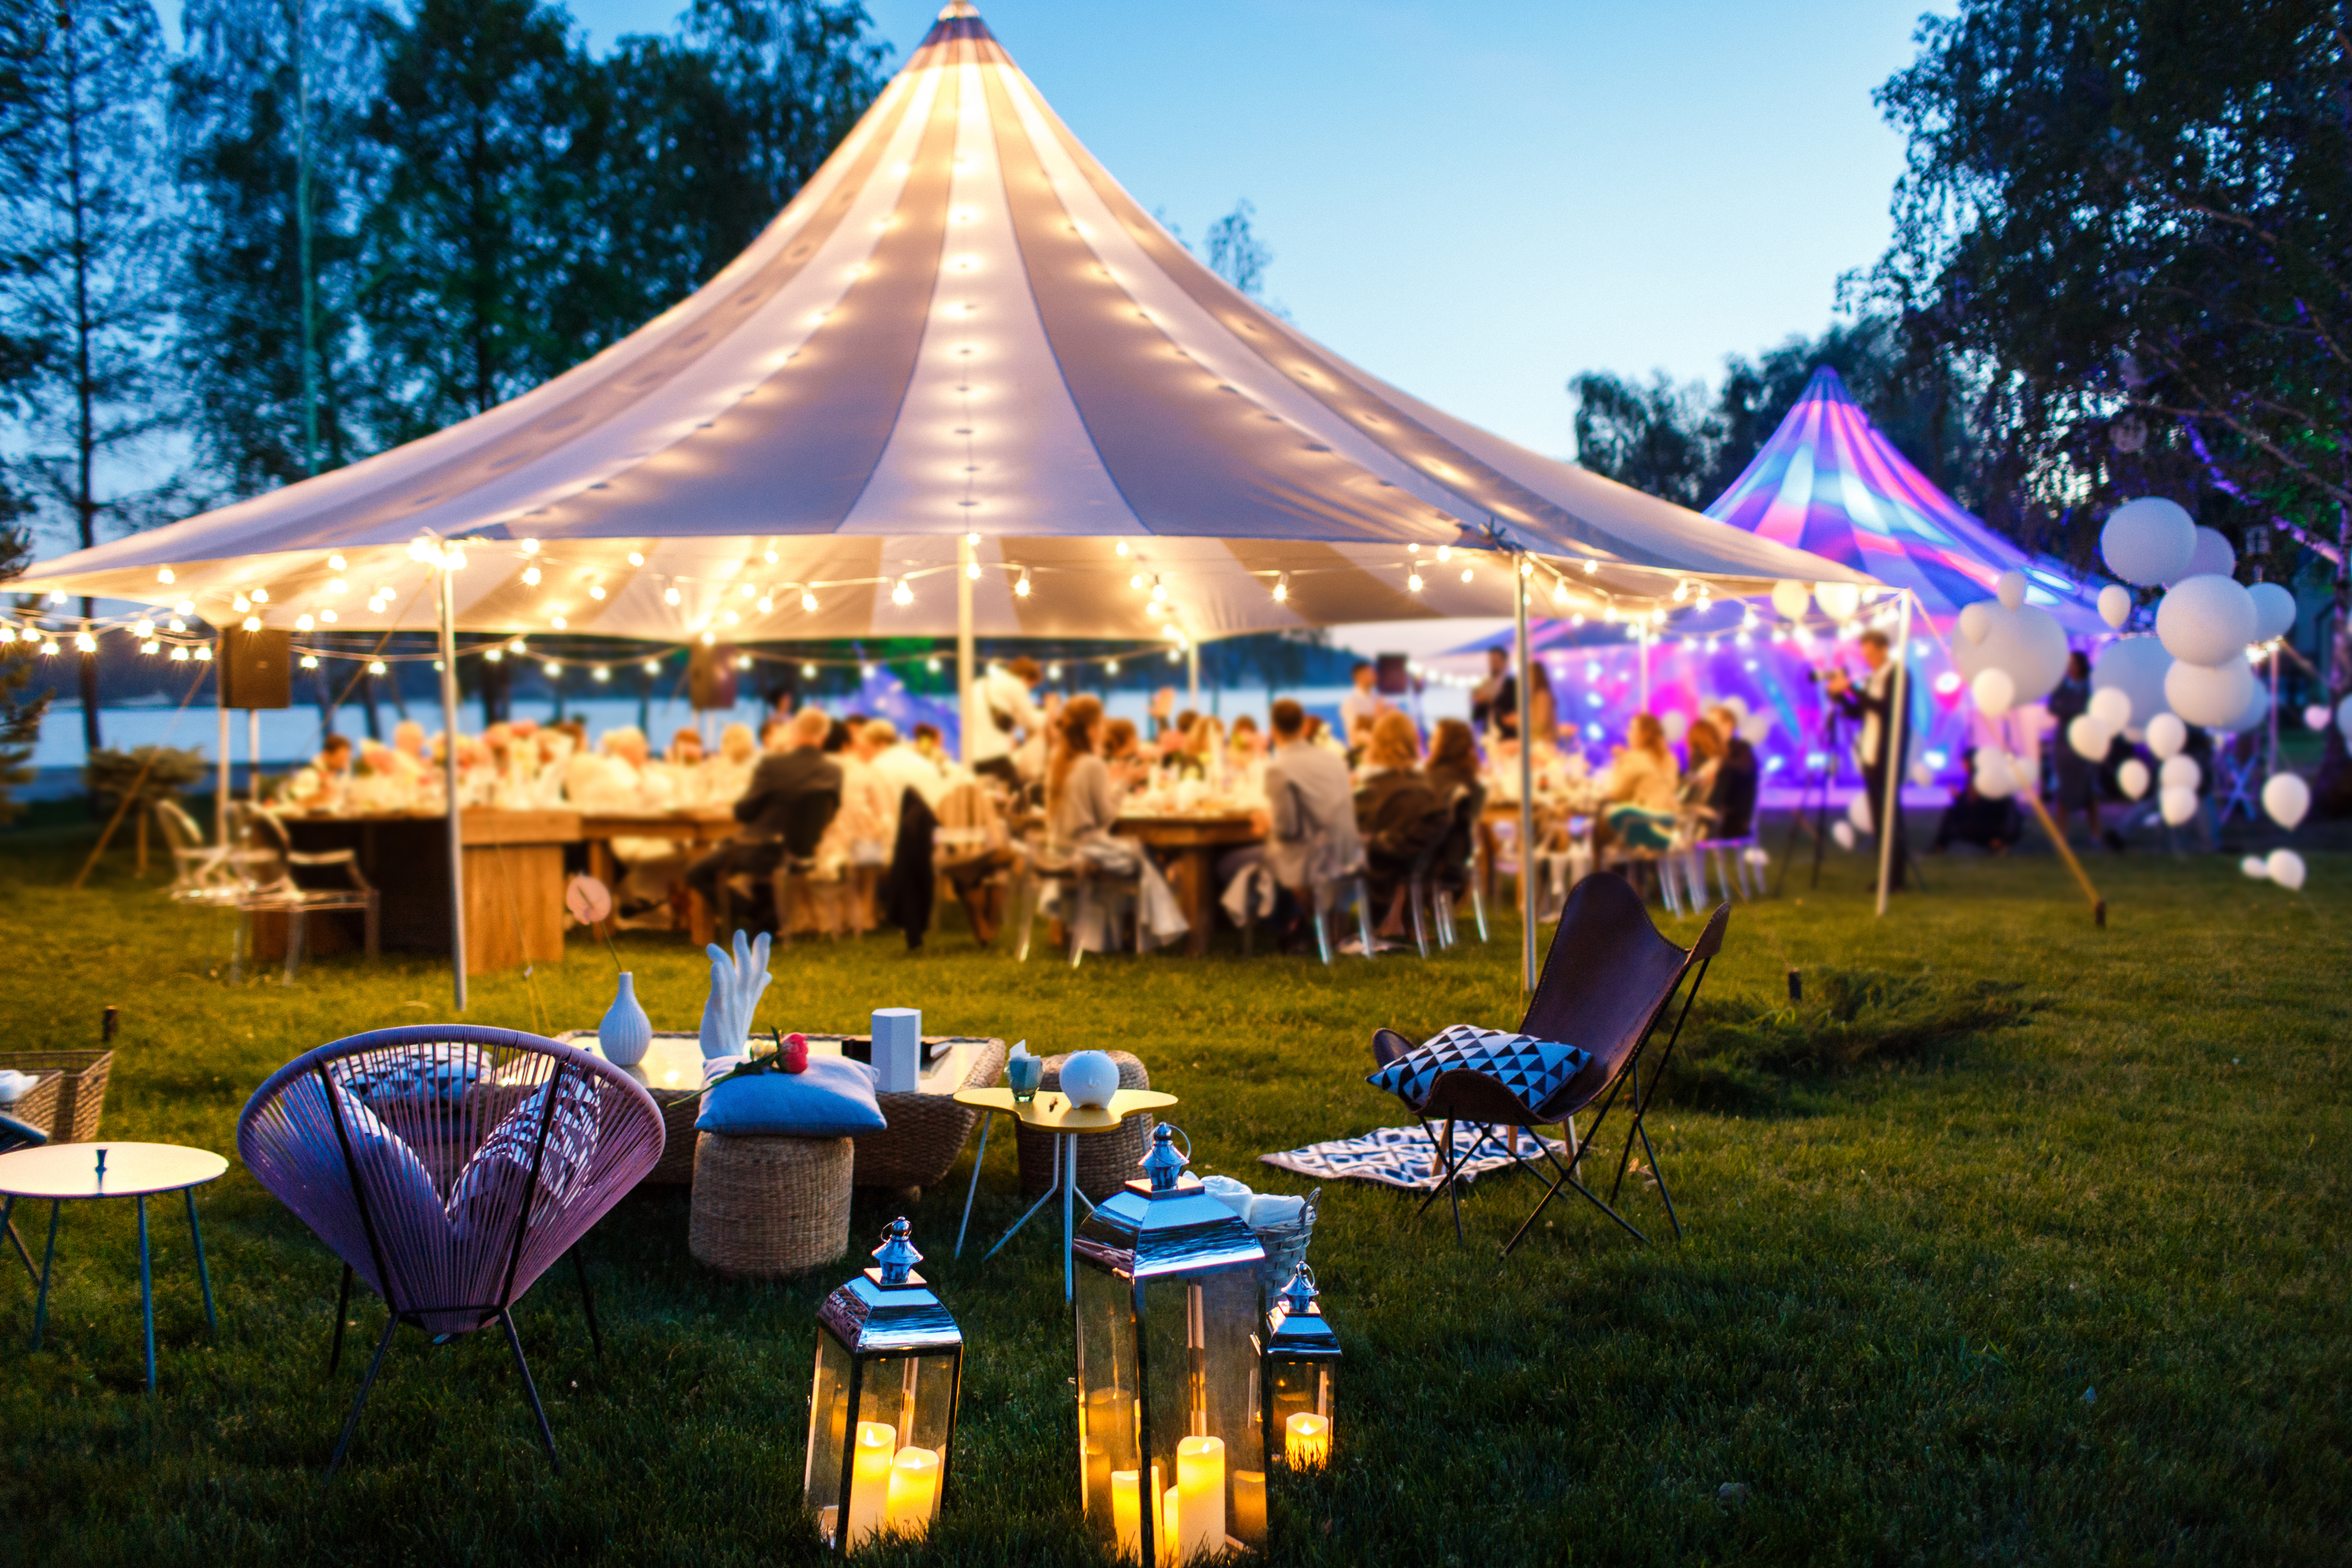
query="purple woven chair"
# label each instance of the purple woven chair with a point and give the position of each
(449, 1167)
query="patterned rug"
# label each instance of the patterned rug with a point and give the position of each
(1406, 1157)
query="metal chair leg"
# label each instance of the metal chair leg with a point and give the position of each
(367, 1384)
(1322, 917)
(204, 1271)
(296, 923)
(342, 1310)
(1412, 897)
(1364, 916)
(530, 1389)
(588, 1302)
(1478, 909)
(8, 1223)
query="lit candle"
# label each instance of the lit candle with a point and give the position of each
(914, 1486)
(1307, 1440)
(1249, 1505)
(869, 1479)
(1171, 1520)
(1200, 1494)
(1126, 1513)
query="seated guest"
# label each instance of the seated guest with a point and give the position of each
(1081, 803)
(1123, 753)
(933, 748)
(1991, 824)
(1452, 772)
(685, 749)
(1309, 821)
(726, 773)
(1399, 816)
(1733, 797)
(1702, 757)
(792, 800)
(321, 784)
(901, 767)
(1641, 789)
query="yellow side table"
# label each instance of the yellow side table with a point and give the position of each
(1051, 1112)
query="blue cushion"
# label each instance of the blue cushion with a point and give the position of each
(835, 1099)
(1532, 1069)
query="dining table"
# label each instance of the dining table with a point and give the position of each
(513, 869)
(1190, 842)
(696, 827)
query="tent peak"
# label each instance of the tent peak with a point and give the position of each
(959, 10)
(1826, 387)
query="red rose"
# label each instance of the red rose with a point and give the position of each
(796, 1053)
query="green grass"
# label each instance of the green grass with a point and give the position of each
(1997, 1161)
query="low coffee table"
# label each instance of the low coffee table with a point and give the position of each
(1051, 1112)
(64, 1172)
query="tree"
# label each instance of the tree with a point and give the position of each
(1659, 438)
(268, 105)
(2127, 218)
(84, 230)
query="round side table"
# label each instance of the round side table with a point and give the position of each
(1051, 1112)
(73, 1173)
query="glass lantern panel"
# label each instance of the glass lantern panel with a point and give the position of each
(1202, 1415)
(1107, 1411)
(828, 1431)
(906, 1419)
(1297, 1389)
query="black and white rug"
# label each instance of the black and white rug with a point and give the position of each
(1407, 1157)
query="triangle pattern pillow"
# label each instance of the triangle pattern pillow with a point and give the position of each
(1532, 1069)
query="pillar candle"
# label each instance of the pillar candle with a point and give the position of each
(914, 1485)
(1249, 1506)
(1307, 1440)
(1201, 1493)
(1126, 1513)
(869, 1479)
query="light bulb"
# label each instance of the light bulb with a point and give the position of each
(453, 561)
(747, 589)
(334, 563)
(601, 672)
(1590, 566)
(310, 661)
(204, 653)
(971, 539)
(1136, 580)
(516, 647)
(1527, 568)
(772, 558)
(932, 665)
(902, 594)
(375, 666)
(1282, 588)
(240, 603)
(1467, 574)
(635, 559)
(337, 586)
(1681, 592)
(177, 624)
(669, 596)
(1053, 672)
(302, 623)
(1120, 547)
(808, 672)
(165, 575)
(531, 547)
(1022, 587)
(253, 623)
(808, 602)
(184, 608)
(709, 638)
(1110, 667)
(146, 629)
(595, 590)
(530, 576)
(261, 595)
(766, 604)
(1443, 552)
(1414, 582)
(742, 661)
(558, 622)
(733, 619)
(1560, 592)
(179, 656)
(1160, 590)
(972, 571)
(496, 656)
(653, 667)
(553, 670)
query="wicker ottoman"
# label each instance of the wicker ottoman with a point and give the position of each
(765, 1207)
(1105, 1160)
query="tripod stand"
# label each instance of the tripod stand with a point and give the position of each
(1814, 797)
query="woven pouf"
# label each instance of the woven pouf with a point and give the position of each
(1105, 1160)
(770, 1207)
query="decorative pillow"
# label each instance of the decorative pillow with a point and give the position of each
(834, 1099)
(1532, 1069)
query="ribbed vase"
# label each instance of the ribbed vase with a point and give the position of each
(626, 1033)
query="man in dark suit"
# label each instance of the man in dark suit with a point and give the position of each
(790, 803)
(1886, 737)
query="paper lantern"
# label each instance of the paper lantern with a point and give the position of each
(2274, 611)
(1838, 601)
(1170, 1421)
(1791, 599)
(2211, 556)
(2115, 604)
(2176, 804)
(1976, 621)
(2287, 799)
(2287, 869)
(2131, 777)
(2206, 620)
(2180, 771)
(2316, 716)
(2166, 734)
(882, 1414)
(2257, 867)
(2148, 542)
(2090, 739)
(1841, 831)
(1301, 1358)
(2028, 642)
(2211, 695)
(2112, 706)
(2134, 665)
(2010, 588)
(1993, 691)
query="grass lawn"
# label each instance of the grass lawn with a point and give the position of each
(2053, 1267)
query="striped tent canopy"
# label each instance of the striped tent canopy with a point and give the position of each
(1829, 483)
(961, 336)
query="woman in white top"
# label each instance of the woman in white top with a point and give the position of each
(1081, 806)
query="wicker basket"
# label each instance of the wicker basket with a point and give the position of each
(1285, 1248)
(1105, 1160)
(770, 1207)
(81, 1093)
(38, 1106)
(926, 1131)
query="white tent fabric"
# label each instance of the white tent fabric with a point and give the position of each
(961, 325)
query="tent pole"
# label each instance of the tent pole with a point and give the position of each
(1520, 663)
(966, 719)
(450, 780)
(1645, 666)
(1897, 728)
(1192, 676)
(220, 695)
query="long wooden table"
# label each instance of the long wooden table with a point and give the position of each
(513, 868)
(695, 826)
(1193, 840)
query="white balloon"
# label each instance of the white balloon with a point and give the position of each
(2205, 620)
(2274, 611)
(1976, 621)
(2211, 695)
(2115, 604)
(2166, 734)
(1838, 601)
(1921, 775)
(2148, 540)
(2131, 777)
(1857, 811)
(2134, 667)
(2176, 804)
(2287, 798)
(1996, 776)
(2316, 716)
(2344, 714)
(2112, 706)
(1739, 706)
(2287, 869)
(1754, 727)
(1842, 832)
(2089, 738)
(2210, 557)
(2180, 771)
(1995, 690)
(2249, 717)
(1675, 724)
(2028, 642)
(2257, 867)
(2010, 589)
(1790, 599)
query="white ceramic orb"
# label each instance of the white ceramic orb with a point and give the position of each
(1091, 1078)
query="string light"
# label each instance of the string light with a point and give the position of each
(772, 558)
(1053, 672)
(1412, 583)
(143, 630)
(375, 666)
(310, 661)
(553, 670)
(1443, 552)
(179, 656)
(531, 547)
(1110, 667)
(636, 559)
(1159, 591)
(184, 608)
(164, 576)
(709, 640)
(1560, 591)
(1136, 580)
(85, 643)
(302, 623)
(808, 672)
(1468, 574)
(253, 623)
(932, 665)
(669, 596)
(865, 672)
(808, 602)
(601, 673)
(261, 595)
(204, 653)
(1282, 588)
(1590, 566)
(902, 596)
(596, 590)
(767, 602)
(653, 667)
(516, 647)
(747, 589)
(240, 603)
(1022, 587)
(495, 655)
(1120, 547)
(530, 576)
(334, 563)
(337, 586)
(972, 571)
(558, 622)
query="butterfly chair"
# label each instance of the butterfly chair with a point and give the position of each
(1607, 983)
(16, 1135)
(449, 1167)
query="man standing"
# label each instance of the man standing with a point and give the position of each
(1494, 702)
(1360, 707)
(1001, 705)
(793, 796)
(1886, 738)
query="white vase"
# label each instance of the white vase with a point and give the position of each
(626, 1033)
